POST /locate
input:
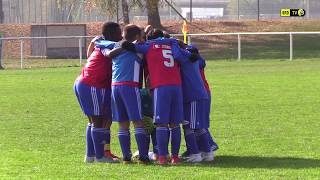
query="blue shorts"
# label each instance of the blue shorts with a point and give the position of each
(93, 101)
(168, 105)
(126, 103)
(196, 114)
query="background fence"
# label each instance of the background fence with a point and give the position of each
(213, 46)
(62, 11)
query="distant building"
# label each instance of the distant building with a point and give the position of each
(203, 9)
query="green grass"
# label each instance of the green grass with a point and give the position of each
(265, 118)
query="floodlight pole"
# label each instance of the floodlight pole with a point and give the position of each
(258, 10)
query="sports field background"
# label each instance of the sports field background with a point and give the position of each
(265, 117)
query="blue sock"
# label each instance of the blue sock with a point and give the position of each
(98, 137)
(154, 141)
(175, 140)
(89, 142)
(148, 141)
(162, 140)
(203, 141)
(191, 141)
(141, 140)
(107, 139)
(214, 146)
(124, 139)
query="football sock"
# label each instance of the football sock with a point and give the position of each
(191, 141)
(141, 140)
(162, 140)
(107, 140)
(148, 141)
(154, 141)
(124, 139)
(212, 142)
(98, 141)
(203, 140)
(175, 140)
(89, 142)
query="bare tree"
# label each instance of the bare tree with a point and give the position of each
(153, 13)
(125, 12)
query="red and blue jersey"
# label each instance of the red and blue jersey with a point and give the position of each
(98, 70)
(192, 84)
(163, 70)
(202, 65)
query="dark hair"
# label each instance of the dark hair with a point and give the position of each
(130, 32)
(157, 33)
(111, 31)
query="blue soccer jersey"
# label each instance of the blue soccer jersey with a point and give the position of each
(126, 66)
(192, 83)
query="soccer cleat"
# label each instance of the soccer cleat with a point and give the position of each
(185, 155)
(109, 154)
(207, 156)
(107, 160)
(175, 160)
(163, 160)
(194, 158)
(153, 156)
(88, 159)
(143, 161)
(126, 161)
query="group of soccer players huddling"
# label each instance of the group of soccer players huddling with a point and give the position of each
(156, 82)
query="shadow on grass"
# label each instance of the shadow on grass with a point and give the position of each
(260, 162)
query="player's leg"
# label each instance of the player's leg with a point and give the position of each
(176, 119)
(107, 115)
(202, 124)
(83, 93)
(214, 146)
(161, 99)
(132, 102)
(99, 132)
(189, 130)
(119, 114)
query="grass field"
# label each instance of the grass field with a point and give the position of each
(265, 117)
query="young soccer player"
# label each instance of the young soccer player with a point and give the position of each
(195, 96)
(126, 102)
(93, 90)
(202, 64)
(165, 83)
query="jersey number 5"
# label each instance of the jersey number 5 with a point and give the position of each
(167, 54)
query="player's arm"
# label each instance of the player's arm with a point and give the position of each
(141, 48)
(92, 45)
(111, 53)
(183, 55)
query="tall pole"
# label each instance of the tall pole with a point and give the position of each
(238, 10)
(190, 18)
(258, 10)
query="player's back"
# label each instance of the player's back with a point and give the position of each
(98, 70)
(192, 84)
(163, 69)
(126, 68)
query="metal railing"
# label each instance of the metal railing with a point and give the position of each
(237, 34)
